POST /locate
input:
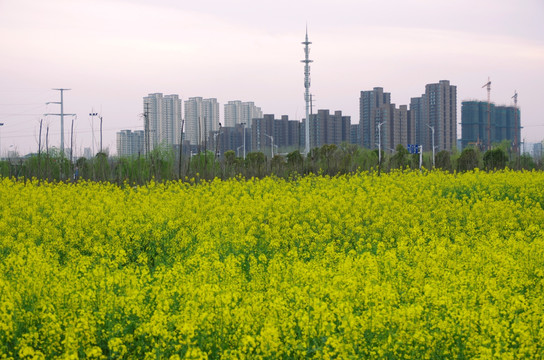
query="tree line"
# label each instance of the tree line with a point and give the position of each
(163, 164)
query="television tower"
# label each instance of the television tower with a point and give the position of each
(307, 62)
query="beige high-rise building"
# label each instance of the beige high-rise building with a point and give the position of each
(201, 118)
(439, 113)
(130, 143)
(374, 108)
(403, 128)
(163, 116)
(238, 112)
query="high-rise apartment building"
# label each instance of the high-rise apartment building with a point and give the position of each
(440, 103)
(402, 129)
(201, 118)
(130, 143)
(327, 128)
(416, 119)
(238, 112)
(374, 108)
(505, 124)
(162, 119)
(285, 132)
(170, 129)
(355, 134)
(435, 110)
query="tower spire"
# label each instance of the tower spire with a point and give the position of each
(307, 62)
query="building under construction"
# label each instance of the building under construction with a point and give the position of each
(504, 124)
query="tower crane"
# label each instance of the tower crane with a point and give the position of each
(516, 144)
(488, 85)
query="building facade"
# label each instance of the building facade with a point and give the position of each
(284, 133)
(440, 103)
(402, 129)
(232, 138)
(416, 119)
(374, 108)
(238, 112)
(505, 124)
(355, 134)
(435, 110)
(201, 118)
(162, 120)
(327, 128)
(130, 143)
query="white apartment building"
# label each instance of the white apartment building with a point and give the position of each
(163, 114)
(201, 117)
(237, 112)
(130, 143)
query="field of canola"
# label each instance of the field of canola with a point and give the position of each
(405, 265)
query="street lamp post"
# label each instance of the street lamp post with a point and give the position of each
(272, 145)
(92, 114)
(380, 143)
(432, 130)
(244, 126)
(215, 141)
(1, 124)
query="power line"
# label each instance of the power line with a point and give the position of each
(61, 116)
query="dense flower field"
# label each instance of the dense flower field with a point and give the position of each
(405, 265)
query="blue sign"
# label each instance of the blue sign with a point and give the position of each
(413, 148)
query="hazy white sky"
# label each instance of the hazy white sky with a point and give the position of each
(112, 53)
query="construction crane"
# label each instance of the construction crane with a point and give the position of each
(516, 125)
(488, 84)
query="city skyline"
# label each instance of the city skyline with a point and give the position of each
(110, 59)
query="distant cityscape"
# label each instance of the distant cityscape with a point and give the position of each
(429, 119)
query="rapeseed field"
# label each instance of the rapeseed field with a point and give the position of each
(406, 265)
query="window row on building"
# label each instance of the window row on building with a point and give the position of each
(481, 121)
(433, 113)
(430, 119)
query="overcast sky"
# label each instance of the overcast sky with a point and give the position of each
(113, 53)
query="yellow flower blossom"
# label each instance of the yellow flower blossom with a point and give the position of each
(403, 265)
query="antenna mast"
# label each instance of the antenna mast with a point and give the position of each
(307, 62)
(488, 85)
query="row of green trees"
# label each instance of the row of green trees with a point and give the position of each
(163, 164)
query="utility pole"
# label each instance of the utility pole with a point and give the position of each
(180, 149)
(61, 102)
(244, 134)
(307, 62)
(146, 129)
(101, 149)
(199, 142)
(488, 85)
(420, 156)
(380, 143)
(2, 124)
(216, 135)
(47, 140)
(39, 150)
(432, 129)
(272, 145)
(205, 135)
(92, 114)
(71, 142)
